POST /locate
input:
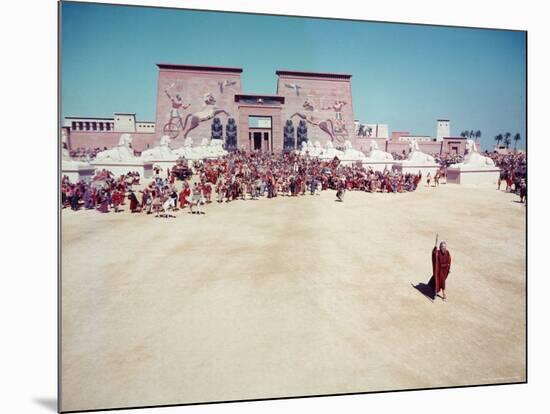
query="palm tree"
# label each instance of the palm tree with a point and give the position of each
(498, 138)
(478, 134)
(507, 140)
(464, 134)
(517, 137)
(472, 134)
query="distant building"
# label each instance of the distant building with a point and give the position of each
(443, 129)
(395, 135)
(192, 101)
(121, 122)
(100, 132)
(419, 138)
(89, 124)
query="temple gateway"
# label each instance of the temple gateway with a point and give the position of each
(198, 102)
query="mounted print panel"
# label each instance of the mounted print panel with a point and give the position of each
(258, 206)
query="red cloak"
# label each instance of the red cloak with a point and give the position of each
(185, 192)
(441, 264)
(133, 202)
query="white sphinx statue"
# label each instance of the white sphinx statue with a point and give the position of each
(377, 159)
(376, 154)
(187, 150)
(74, 169)
(351, 154)
(216, 148)
(121, 159)
(417, 161)
(203, 150)
(161, 152)
(474, 159)
(329, 152)
(475, 169)
(313, 150)
(307, 149)
(65, 156)
(123, 152)
(206, 149)
(417, 156)
(68, 162)
(317, 149)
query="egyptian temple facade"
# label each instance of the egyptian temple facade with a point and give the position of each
(203, 102)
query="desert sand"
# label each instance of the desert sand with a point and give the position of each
(291, 297)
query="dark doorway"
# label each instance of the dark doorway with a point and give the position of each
(257, 140)
(267, 147)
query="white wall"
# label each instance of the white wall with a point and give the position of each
(145, 127)
(419, 138)
(68, 122)
(443, 129)
(125, 123)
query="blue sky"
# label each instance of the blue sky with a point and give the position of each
(406, 76)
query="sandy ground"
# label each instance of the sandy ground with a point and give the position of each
(291, 296)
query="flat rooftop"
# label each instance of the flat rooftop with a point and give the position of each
(203, 68)
(313, 74)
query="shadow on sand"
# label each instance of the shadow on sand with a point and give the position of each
(426, 289)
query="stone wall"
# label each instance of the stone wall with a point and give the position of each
(321, 90)
(449, 145)
(193, 84)
(428, 147)
(211, 91)
(89, 139)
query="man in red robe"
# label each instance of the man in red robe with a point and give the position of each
(184, 194)
(441, 262)
(134, 204)
(117, 197)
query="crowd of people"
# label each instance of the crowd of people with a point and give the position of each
(252, 174)
(85, 154)
(399, 156)
(513, 172)
(445, 160)
(241, 175)
(513, 168)
(102, 193)
(246, 175)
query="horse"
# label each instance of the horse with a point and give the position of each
(208, 112)
(326, 125)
